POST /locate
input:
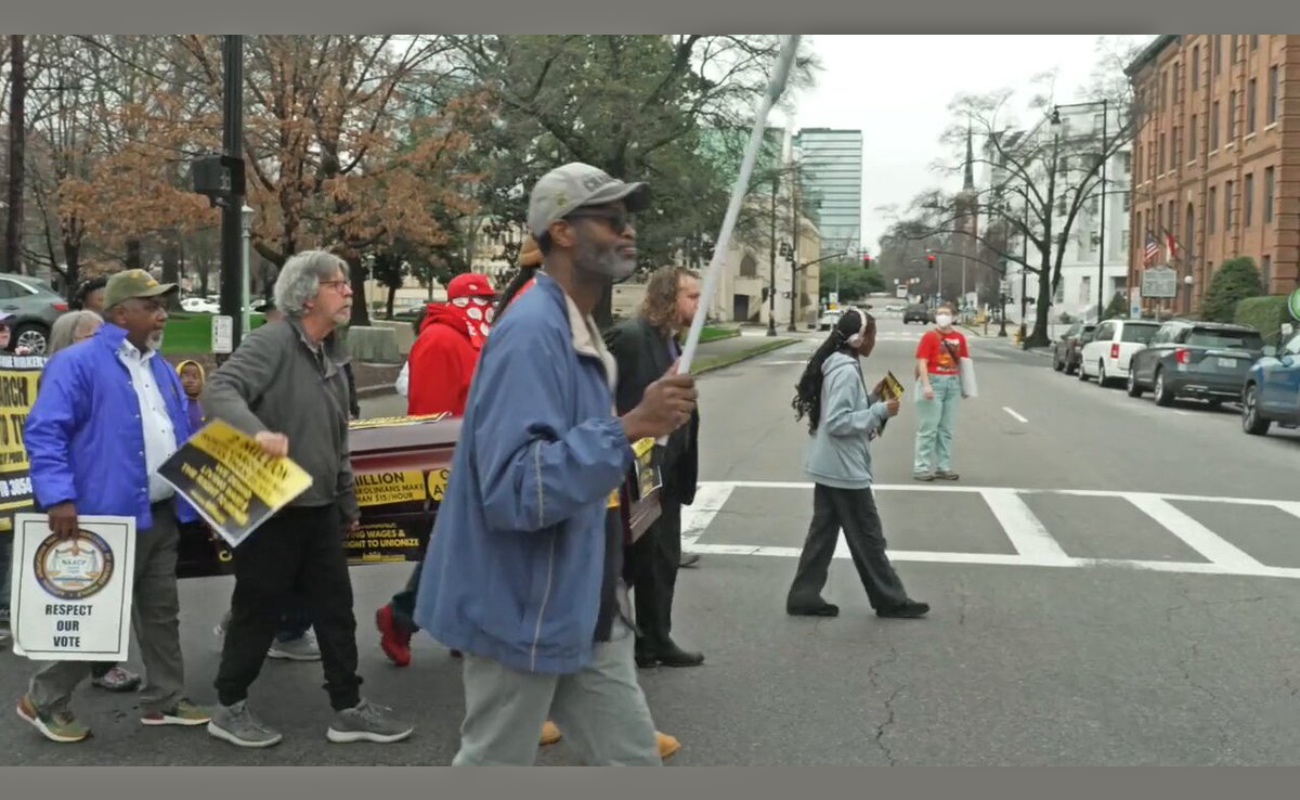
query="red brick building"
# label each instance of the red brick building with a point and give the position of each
(1216, 158)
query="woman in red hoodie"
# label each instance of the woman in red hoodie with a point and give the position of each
(442, 365)
(445, 355)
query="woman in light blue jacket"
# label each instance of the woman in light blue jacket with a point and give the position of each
(843, 418)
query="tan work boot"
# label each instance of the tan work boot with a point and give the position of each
(550, 734)
(668, 745)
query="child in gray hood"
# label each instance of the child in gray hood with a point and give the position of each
(843, 418)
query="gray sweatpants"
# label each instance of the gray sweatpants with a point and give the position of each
(601, 711)
(155, 615)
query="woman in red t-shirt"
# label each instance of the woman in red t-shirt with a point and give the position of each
(938, 373)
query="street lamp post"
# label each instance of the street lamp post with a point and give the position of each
(246, 226)
(771, 286)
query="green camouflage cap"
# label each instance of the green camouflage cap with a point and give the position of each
(133, 283)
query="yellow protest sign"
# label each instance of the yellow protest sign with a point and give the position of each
(236, 487)
(19, 376)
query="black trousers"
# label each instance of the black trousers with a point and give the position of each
(299, 548)
(854, 511)
(650, 566)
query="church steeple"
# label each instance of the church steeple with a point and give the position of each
(969, 184)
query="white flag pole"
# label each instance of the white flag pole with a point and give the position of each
(774, 90)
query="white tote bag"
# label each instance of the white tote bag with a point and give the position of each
(968, 388)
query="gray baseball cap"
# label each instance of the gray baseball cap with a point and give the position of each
(564, 189)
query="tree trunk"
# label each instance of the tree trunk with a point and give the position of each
(171, 264)
(72, 258)
(392, 298)
(17, 159)
(360, 314)
(134, 258)
(1043, 309)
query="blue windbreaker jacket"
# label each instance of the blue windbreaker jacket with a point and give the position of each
(515, 562)
(84, 439)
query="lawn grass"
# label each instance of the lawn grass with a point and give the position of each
(191, 334)
(712, 333)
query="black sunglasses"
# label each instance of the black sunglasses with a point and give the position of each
(619, 221)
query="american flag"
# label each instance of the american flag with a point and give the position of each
(1153, 249)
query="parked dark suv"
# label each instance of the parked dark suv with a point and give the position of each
(1067, 349)
(917, 313)
(1201, 360)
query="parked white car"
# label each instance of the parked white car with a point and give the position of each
(829, 319)
(199, 305)
(1106, 356)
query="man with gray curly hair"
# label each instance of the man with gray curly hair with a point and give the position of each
(291, 371)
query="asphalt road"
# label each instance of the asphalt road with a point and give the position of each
(1113, 584)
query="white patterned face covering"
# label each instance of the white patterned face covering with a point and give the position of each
(477, 313)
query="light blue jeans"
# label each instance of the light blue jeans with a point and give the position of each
(935, 421)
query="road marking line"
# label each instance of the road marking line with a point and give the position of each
(1194, 534)
(1286, 505)
(781, 363)
(997, 559)
(1027, 533)
(1014, 415)
(709, 500)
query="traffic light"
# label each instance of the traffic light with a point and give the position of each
(930, 260)
(866, 261)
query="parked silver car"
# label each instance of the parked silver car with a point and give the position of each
(34, 306)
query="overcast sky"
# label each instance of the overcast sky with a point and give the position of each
(896, 90)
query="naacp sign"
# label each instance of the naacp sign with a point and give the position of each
(70, 597)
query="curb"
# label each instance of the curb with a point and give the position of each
(731, 359)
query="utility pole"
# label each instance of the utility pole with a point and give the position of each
(232, 145)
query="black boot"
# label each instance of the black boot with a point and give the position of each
(670, 656)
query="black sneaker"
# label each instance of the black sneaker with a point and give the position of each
(822, 609)
(912, 609)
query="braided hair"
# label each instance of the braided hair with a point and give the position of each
(808, 391)
(530, 258)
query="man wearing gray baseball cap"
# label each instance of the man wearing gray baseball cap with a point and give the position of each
(523, 570)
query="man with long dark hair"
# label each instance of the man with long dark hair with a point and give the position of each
(646, 347)
(842, 419)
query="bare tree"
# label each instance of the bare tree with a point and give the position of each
(1043, 177)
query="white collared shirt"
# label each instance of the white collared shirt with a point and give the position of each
(156, 423)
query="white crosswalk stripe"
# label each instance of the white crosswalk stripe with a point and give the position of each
(1033, 543)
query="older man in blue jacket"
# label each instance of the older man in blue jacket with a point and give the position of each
(109, 412)
(523, 569)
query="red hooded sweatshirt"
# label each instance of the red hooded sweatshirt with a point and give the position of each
(445, 354)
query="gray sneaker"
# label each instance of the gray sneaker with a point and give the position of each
(368, 723)
(304, 648)
(237, 725)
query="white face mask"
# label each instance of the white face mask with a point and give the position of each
(943, 320)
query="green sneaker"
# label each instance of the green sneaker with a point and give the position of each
(183, 713)
(58, 726)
